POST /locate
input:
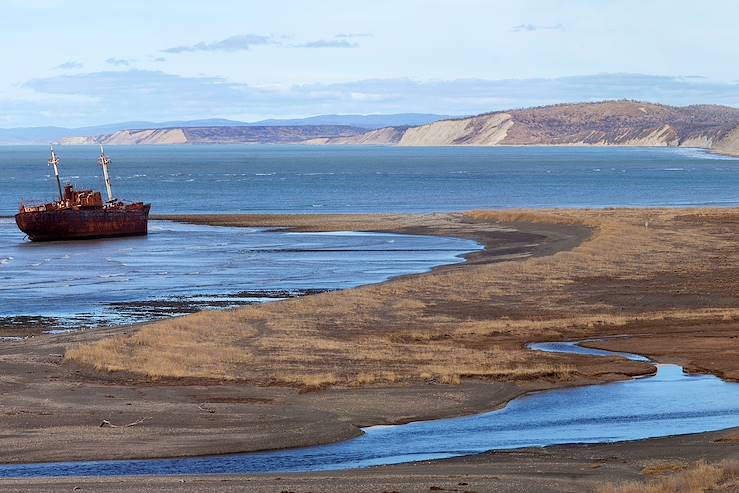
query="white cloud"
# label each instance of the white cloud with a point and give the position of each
(354, 35)
(244, 42)
(534, 27)
(72, 64)
(120, 62)
(327, 43)
(232, 43)
(155, 95)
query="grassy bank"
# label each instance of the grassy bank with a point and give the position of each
(644, 272)
(698, 478)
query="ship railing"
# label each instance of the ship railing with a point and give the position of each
(31, 204)
(27, 205)
(118, 202)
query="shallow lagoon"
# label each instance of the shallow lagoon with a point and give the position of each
(179, 268)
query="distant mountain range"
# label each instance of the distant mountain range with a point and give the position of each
(45, 135)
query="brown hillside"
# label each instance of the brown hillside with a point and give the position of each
(620, 123)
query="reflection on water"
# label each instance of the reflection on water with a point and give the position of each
(668, 403)
(575, 348)
(179, 268)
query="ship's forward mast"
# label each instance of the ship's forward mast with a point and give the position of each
(54, 161)
(103, 161)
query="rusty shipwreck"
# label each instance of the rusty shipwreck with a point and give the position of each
(82, 214)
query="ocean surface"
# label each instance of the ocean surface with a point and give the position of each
(309, 179)
(180, 268)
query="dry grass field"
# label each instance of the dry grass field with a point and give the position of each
(699, 478)
(658, 275)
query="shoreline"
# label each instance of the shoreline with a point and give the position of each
(474, 394)
(365, 144)
(447, 401)
(574, 467)
(728, 431)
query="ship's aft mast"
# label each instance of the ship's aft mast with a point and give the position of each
(54, 161)
(103, 161)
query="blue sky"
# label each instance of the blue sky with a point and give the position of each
(74, 63)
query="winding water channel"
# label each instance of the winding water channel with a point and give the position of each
(667, 403)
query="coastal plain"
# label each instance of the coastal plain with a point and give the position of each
(445, 343)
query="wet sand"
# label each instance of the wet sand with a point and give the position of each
(572, 468)
(52, 408)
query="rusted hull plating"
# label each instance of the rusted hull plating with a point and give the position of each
(69, 224)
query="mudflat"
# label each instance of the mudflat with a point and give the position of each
(573, 468)
(449, 342)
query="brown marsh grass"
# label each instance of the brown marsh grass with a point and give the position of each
(699, 478)
(642, 271)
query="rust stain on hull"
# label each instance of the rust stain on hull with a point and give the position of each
(81, 214)
(71, 224)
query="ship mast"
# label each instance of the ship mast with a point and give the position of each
(54, 161)
(103, 161)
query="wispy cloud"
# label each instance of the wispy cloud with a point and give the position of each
(354, 35)
(70, 65)
(239, 42)
(120, 62)
(79, 99)
(374, 97)
(242, 42)
(534, 27)
(328, 43)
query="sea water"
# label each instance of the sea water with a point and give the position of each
(309, 179)
(180, 268)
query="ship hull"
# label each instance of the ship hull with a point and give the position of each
(83, 224)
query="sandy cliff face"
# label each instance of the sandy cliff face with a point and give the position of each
(482, 130)
(78, 141)
(271, 134)
(164, 136)
(730, 143)
(610, 123)
(702, 141)
(121, 137)
(389, 135)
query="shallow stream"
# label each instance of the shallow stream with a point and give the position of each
(668, 403)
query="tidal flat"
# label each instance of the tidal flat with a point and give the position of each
(445, 343)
